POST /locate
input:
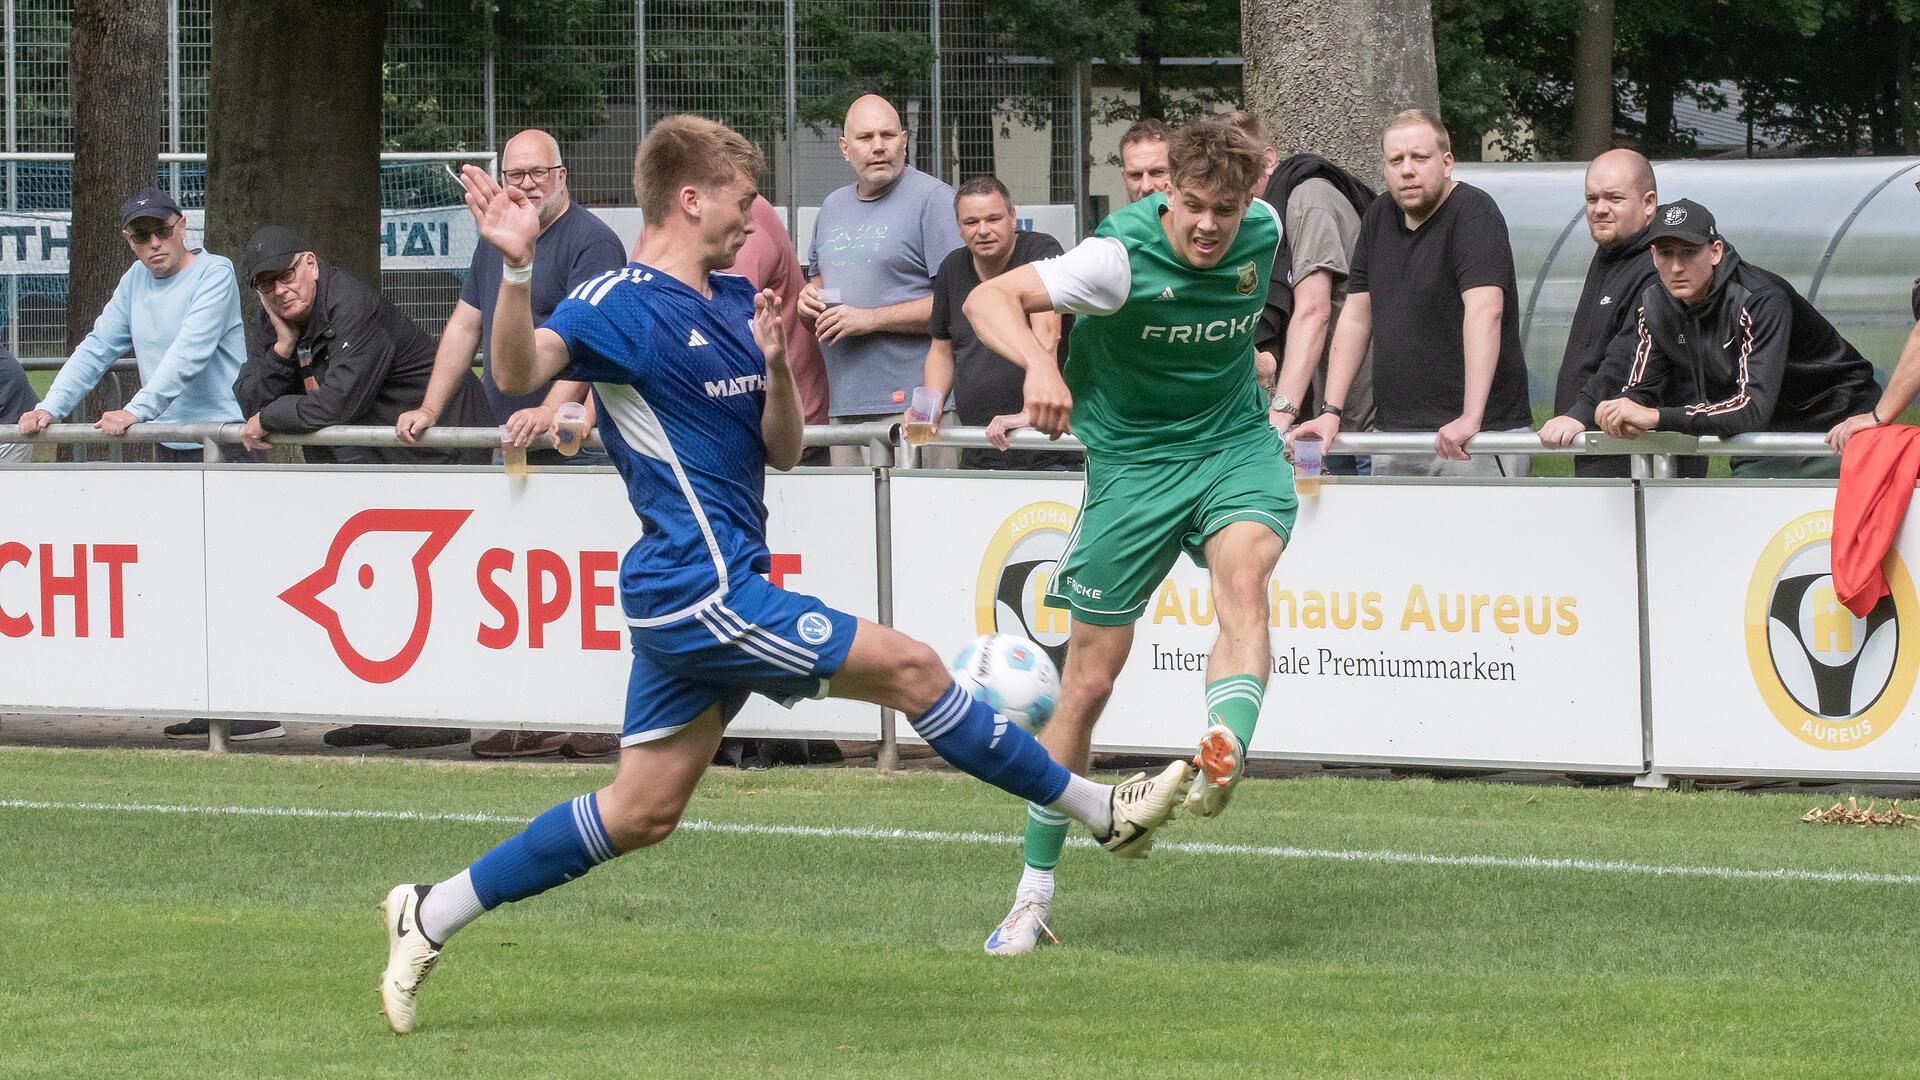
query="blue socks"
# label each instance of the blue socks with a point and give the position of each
(979, 742)
(553, 849)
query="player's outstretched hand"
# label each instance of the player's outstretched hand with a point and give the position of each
(503, 215)
(1049, 403)
(768, 331)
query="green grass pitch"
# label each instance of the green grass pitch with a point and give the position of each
(141, 943)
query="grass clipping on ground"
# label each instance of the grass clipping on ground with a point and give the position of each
(1852, 813)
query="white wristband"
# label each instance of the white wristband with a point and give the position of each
(518, 275)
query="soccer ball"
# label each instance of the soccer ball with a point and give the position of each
(1012, 675)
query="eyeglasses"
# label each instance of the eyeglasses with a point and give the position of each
(266, 282)
(538, 176)
(141, 236)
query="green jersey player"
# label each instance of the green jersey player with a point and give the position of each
(1159, 385)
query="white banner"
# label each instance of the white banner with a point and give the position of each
(435, 238)
(102, 591)
(1410, 622)
(1756, 666)
(473, 598)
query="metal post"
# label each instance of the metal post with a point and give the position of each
(1649, 777)
(793, 129)
(1663, 467)
(173, 95)
(888, 758)
(218, 733)
(13, 122)
(488, 130)
(1079, 157)
(210, 451)
(939, 129)
(640, 65)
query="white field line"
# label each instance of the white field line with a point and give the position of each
(1402, 858)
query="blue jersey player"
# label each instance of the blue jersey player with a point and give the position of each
(695, 400)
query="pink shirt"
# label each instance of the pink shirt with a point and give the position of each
(767, 260)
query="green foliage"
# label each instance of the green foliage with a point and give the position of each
(855, 48)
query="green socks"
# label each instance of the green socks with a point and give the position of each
(1046, 835)
(1235, 702)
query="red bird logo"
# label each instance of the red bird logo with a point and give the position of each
(370, 598)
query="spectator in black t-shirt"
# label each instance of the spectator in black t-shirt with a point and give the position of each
(986, 387)
(16, 398)
(1432, 287)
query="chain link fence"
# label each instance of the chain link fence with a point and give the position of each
(462, 76)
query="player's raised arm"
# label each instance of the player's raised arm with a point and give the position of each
(998, 310)
(524, 358)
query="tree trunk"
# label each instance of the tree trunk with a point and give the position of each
(293, 131)
(1593, 81)
(1904, 87)
(118, 102)
(1325, 77)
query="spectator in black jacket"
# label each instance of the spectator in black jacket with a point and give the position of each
(1621, 198)
(338, 353)
(1737, 346)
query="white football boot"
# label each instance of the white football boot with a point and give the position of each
(1023, 928)
(1141, 804)
(410, 957)
(1218, 768)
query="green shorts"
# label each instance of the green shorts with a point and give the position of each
(1137, 518)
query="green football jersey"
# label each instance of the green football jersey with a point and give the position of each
(1169, 376)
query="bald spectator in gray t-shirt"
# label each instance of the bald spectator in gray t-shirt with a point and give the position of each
(876, 246)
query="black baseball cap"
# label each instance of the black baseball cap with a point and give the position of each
(149, 203)
(1683, 219)
(273, 249)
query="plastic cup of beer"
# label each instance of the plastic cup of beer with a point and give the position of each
(570, 427)
(922, 411)
(513, 458)
(830, 297)
(1309, 451)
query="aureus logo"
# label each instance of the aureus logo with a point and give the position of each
(1834, 680)
(1016, 569)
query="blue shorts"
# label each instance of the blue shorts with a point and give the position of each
(756, 639)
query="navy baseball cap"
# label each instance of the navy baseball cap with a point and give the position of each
(1683, 219)
(148, 203)
(273, 249)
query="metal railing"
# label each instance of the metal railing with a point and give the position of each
(1653, 453)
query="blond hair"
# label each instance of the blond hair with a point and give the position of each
(1416, 117)
(688, 151)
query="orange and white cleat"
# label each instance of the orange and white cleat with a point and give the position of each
(1217, 770)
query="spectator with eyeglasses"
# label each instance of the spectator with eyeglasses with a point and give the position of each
(177, 309)
(573, 246)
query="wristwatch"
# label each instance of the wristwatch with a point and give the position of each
(1334, 410)
(1282, 405)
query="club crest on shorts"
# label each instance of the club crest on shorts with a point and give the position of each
(814, 628)
(1249, 279)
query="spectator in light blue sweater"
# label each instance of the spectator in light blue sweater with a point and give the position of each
(178, 311)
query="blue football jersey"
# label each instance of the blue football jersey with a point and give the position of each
(680, 386)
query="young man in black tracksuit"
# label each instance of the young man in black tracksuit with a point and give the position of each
(1738, 346)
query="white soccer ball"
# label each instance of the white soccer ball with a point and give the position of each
(1012, 675)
